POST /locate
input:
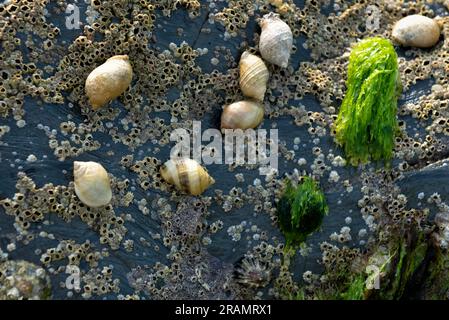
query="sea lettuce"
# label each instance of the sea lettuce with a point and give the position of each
(366, 124)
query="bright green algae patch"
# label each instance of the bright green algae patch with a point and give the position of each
(366, 123)
(300, 211)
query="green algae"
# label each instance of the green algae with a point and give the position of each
(408, 257)
(436, 286)
(356, 289)
(301, 211)
(406, 264)
(366, 124)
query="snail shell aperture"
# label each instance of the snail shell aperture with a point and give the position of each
(253, 76)
(276, 40)
(187, 175)
(92, 185)
(246, 114)
(108, 81)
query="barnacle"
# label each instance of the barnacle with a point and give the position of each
(252, 272)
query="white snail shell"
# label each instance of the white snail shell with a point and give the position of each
(92, 185)
(416, 31)
(187, 175)
(108, 81)
(253, 76)
(276, 40)
(245, 114)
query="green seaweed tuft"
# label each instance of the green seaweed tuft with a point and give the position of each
(356, 289)
(367, 123)
(301, 211)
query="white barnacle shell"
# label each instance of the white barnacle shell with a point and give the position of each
(276, 40)
(253, 76)
(187, 175)
(416, 31)
(108, 81)
(245, 114)
(92, 185)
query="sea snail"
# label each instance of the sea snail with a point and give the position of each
(187, 175)
(253, 76)
(246, 114)
(416, 31)
(92, 185)
(276, 40)
(108, 81)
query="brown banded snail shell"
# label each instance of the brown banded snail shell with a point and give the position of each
(245, 114)
(253, 76)
(276, 40)
(108, 81)
(187, 175)
(92, 185)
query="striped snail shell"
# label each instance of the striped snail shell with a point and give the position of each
(245, 114)
(276, 40)
(253, 76)
(108, 81)
(92, 185)
(187, 175)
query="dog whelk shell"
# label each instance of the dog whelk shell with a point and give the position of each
(92, 185)
(108, 81)
(416, 31)
(253, 76)
(187, 175)
(243, 115)
(276, 40)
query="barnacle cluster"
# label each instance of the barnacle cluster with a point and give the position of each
(187, 223)
(23, 280)
(31, 204)
(199, 276)
(74, 253)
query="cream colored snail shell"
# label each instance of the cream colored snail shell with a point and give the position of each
(92, 185)
(187, 175)
(108, 81)
(416, 31)
(245, 114)
(276, 40)
(253, 76)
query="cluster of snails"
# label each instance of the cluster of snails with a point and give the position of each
(276, 41)
(112, 78)
(275, 45)
(92, 185)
